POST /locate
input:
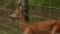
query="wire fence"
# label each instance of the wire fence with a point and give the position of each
(9, 27)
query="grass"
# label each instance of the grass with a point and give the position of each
(6, 29)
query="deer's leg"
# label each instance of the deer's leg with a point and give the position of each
(54, 29)
(27, 30)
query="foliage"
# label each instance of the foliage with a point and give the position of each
(55, 3)
(51, 7)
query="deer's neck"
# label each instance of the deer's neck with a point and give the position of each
(22, 19)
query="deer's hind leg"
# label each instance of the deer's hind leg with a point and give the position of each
(54, 29)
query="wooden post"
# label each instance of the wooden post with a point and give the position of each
(26, 10)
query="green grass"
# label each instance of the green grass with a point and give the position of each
(7, 30)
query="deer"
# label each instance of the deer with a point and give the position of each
(29, 28)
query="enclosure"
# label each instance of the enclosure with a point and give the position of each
(38, 11)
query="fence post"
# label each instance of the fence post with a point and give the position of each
(26, 10)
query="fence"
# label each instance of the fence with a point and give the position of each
(37, 12)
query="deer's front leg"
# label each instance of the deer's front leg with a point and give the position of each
(54, 29)
(27, 30)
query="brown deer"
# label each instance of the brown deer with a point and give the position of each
(28, 27)
(25, 26)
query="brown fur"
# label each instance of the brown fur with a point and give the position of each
(29, 28)
(52, 25)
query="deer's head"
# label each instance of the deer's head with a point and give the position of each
(18, 13)
(15, 14)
